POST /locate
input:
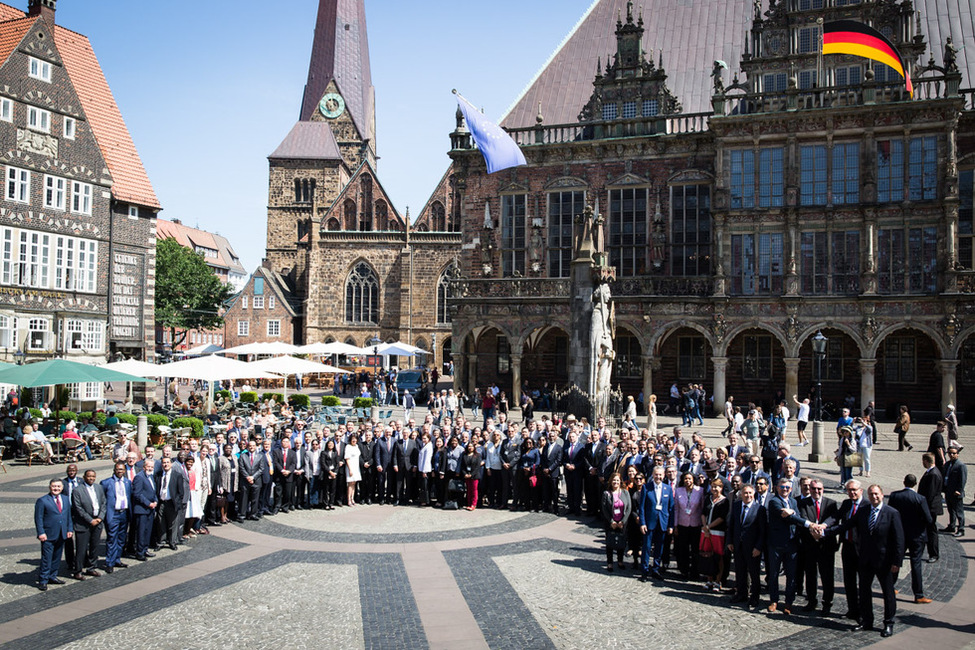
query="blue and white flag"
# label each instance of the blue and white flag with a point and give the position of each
(500, 151)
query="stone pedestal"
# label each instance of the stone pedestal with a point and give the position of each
(142, 431)
(719, 390)
(819, 453)
(459, 368)
(868, 376)
(581, 313)
(791, 378)
(515, 381)
(949, 395)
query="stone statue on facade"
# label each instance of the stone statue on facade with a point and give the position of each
(950, 56)
(601, 349)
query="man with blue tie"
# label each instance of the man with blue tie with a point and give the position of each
(52, 520)
(656, 513)
(783, 543)
(118, 504)
(746, 541)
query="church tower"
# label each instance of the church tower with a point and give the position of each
(334, 135)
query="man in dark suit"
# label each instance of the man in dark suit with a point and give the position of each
(595, 454)
(783, 543)
(251, 470)
(819, 554)
(510, 454)
(172, 499)
(734, 448)
(656, 513)
(118, 507)
(915, 518)
(930, 488)
(285, 461)
(405, 456)
(746, 541)
(144, 505)
(386, 477)
(754, 471)
(212, 461)
(551, 472)
(574, 469)
(70, 481)
(880, 546)
(848, 546)
(955, 478)
(88, 512)
(52, 521)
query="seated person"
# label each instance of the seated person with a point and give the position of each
(35, 435)
(155, 407)
(71, 433)
(87, 427)
(111, 421)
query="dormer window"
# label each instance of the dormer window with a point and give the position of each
(40, 69)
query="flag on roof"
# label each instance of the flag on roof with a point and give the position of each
(500, 151)
(860, 39)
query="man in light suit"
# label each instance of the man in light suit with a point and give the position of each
(551, 468)
(930, 488)
(118, 508)
(88, 513)
(915, 518)
(746, 540)
(656, 512)
(52, 521)
(251, 464)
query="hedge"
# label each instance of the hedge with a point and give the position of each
(155, 421)
(331, 400)
(362, 402)
(225, 394)
(300, 400)
(250, 397)
(277, 397)
(127, 418)
(195, 423)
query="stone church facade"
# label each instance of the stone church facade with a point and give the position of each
(790, 195)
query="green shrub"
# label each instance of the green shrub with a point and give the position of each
(250, 397)
(277, 397)
(127, 418)
(362, 402)
(64, 416)
(36, 413)
(225, 394)
(195, 423)
(157, 420)
(300, 400)
(99, 418)
(331, 400)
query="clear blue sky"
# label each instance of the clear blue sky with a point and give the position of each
(209, 88)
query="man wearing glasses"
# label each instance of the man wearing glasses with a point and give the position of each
(783, 524)
(820, 554)
(751, 474)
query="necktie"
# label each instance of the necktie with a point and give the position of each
(120, 490)
(817, 511)
(132, 473)
(874, 513)
(165, 486)
(744, 513)
(57, 500)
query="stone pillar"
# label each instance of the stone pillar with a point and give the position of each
(791, 378)
(868, 386)
(515, 381)
(818, 453)
(948, 369)
(142, 431)
(458, 360)
(647, 381)
(471, 373)
(719, 391)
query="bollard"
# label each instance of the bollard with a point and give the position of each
(142, 431)
(818, 453)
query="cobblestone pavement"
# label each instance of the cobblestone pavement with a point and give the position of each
(403, 577)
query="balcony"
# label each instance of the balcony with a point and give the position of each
(667, 286)
(464, 288)
(604, 129)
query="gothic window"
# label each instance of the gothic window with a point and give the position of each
(966, 218)
(907, 260)
(513, 234)
(900, 361)
(365, 217)
(443, 297)
(921, 169)
(690, 228)
(351, 214)
(382, 215)
(756, 264)
(562, 208)
(362, 295)
(840, 263)
(333, 224)
(304, 190)
(691, 357)
(757, 357)
(833, 361)
(628, 359)
(753, 175)
(438, 217)
(627, 243)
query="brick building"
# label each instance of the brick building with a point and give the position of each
(742, 211)
(265, 310)
(77, 215)
(357, 268)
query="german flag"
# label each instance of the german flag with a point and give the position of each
(860, 39)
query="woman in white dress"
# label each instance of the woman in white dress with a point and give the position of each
(194, 505)
(352, 475)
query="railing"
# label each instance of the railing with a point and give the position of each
(663, 286)
(510, 288)
(621, 128)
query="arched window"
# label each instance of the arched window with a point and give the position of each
(304, 190)
(443, 297)
(382, 216)
(350, 214)
(362, 295)
(365, 218)
(333, 224)
(438, 217)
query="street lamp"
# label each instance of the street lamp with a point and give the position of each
(819, 349)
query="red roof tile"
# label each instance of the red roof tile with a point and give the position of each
(131, 183)
(11, 34)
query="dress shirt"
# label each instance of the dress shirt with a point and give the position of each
(120, 502)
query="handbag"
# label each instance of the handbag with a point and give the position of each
(221, 502)
(853, 460)
(457, 485)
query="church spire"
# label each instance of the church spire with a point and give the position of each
(340, 53)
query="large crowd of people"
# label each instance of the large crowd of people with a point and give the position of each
(663, 496)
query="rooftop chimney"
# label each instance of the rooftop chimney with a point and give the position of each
(43, 8)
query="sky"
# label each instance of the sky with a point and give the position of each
(209, 88)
